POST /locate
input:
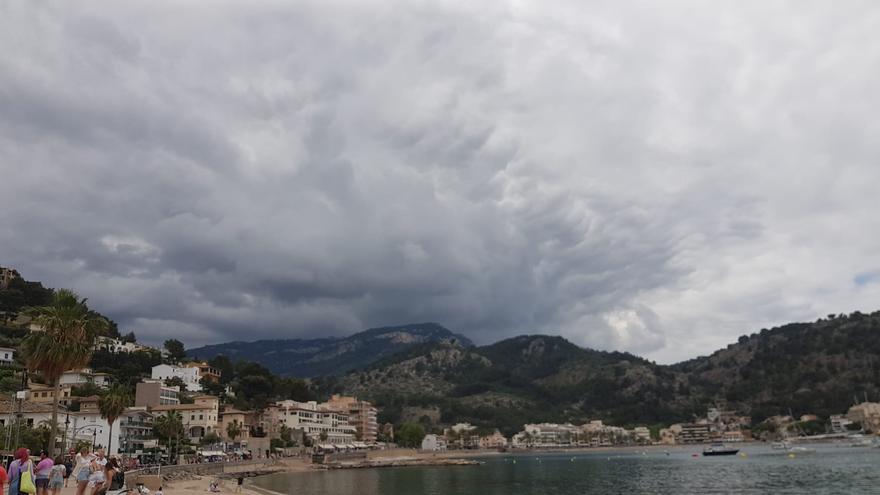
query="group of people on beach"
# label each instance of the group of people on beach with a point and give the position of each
(47, 476)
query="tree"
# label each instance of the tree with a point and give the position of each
(175, 349)
(411, 435)
(233, 430)
(111, 405)
(209, 438)
(65, 342)
(168, 427)
(129, 337)
(224, 364)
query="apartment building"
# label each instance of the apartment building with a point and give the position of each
(44, 394)
(320, 423)
(205, 371)
(151, 393)
(199, 418)
(694, 433)
(361, 415)
(84, 376)
(189, 376)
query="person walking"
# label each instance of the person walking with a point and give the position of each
(22, 464)
(97, 476)
(82, 470)
(111, 467)
(42, 473)
(57, 475)
(68, 467)
(4, 477)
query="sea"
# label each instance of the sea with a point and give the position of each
(758, 469)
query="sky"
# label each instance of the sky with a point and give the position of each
(654, 177)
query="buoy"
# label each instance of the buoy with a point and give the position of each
(514, 461)
(791, 456)
(742, 454)
(572, 459)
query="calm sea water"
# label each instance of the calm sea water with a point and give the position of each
(837, 470)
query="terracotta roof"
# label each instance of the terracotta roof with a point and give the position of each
(8, 406)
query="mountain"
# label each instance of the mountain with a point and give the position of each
(16, 295)
(329, 356)
(806, 367)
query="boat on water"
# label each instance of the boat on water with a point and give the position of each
(862, 442)
(789, 448)
(719, 449)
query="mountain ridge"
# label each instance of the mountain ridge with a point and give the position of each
(330, 355)
(807, 367)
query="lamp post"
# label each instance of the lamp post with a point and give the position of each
(66, 428)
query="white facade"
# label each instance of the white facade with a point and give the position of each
(317, 422)
(90, 426)
(118, 346)
(84, 376)
(32, 414)
(190, 376)
(839, 423)
(433, 443)
(7, 355)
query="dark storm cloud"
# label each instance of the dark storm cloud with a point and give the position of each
(654, 179)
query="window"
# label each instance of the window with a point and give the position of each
(200, 416)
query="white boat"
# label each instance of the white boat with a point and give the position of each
(788, 448)
(862, 441)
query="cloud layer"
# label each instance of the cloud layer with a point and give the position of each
(658, 178)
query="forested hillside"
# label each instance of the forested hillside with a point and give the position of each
(806, 367)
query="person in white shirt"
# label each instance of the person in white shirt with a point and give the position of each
(82, 470)
(97, 477)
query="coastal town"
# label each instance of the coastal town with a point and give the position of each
(214, 430)
(161, 414)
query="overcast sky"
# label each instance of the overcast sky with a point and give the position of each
(658, 178)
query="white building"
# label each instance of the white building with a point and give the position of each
(318, 422)
(641, 434)
(839, 423)
(547, 435)
(84, 376)
(32, 414)
(7, 355)
(433, 443)
(189, 375)
(118, 346)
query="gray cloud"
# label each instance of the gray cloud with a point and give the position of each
(658, 179)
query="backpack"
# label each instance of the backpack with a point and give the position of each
(118, 480)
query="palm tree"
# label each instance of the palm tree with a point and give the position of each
(168, 426)
(233, 430)
(111, 405)
(66, 341)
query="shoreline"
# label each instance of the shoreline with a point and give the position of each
(398, 458)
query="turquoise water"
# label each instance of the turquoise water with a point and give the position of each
(830, 470)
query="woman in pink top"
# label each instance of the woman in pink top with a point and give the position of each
(42, 473)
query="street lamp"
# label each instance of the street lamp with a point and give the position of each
(66, 427)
